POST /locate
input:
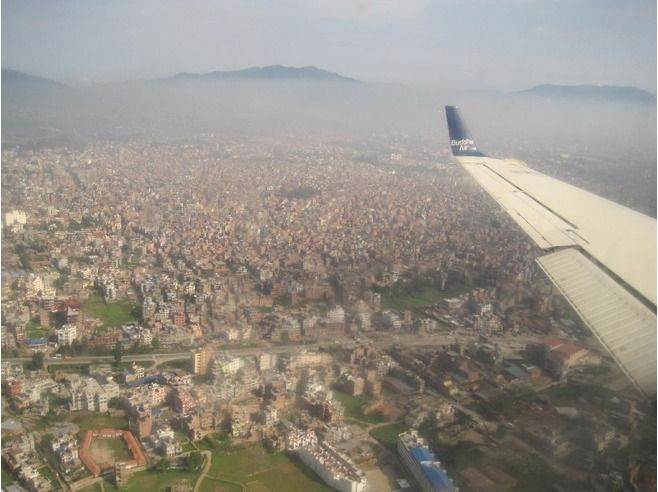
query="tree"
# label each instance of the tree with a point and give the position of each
(46, 441)
(114, 402)
(76, 347)
(194, 461)
(117, 352)
(163, 465)
(37, 361)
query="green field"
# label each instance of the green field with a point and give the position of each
(35, 330)
(260, 470)
(531, 473)
(414, 300)
(388, 434)
(92, 420)
(156, 480)
(7, 477)
(92, 488)
(567, 395)
(415, 295)
(354, 406)
(109, 485)
(216, 485)
(112, 314)
(127, 365)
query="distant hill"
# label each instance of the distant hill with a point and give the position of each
(15, 78)
(269, 73)
(610, 93)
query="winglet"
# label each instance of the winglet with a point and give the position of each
(461, 141)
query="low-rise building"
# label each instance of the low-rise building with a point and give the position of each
(335, 469)
(87, 394)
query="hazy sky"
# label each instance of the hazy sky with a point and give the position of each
(481, 44)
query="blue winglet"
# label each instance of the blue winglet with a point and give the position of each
(461, 141)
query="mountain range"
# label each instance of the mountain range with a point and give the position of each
(15, 78)
(590, 93)
(269, 73)
(283, 74)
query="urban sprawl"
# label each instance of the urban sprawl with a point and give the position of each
(251, 314)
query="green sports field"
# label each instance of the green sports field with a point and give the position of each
(260, 471)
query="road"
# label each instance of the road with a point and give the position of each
(169, 356)
(507, 346)
(206, 466)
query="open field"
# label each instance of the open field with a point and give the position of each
(143, 481)
(112, 314)
(261, 471)
(127, 365)
(414, 300)
(216, 485)
(35, 330)
(388, 434)
(107, 451)
(109, 485)
(415, 295)
(92, 488)
(91, 420)
(355, 405)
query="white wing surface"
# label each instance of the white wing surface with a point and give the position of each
(608, 269)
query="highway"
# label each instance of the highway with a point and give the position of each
(162, 357)
(507, 346)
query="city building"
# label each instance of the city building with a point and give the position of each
(419, 461)
(66, 334)
(88, 394)
(333, 467)
(201, 361)
(141, 424)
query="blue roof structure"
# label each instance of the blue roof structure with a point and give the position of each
(144, 380)
(432, 470)
(422, 454)
(437, 476)
(37, 341)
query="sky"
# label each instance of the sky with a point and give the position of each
(470, 44)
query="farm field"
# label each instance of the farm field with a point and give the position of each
(260, 471)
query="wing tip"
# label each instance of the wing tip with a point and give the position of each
(461, 142)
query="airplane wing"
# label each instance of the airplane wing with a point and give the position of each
(601, 255)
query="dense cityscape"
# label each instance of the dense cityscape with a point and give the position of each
(217, 314)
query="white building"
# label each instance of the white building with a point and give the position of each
(229, 365)
(66, 334)
(297, 438)
(336, 316)
(419, 461)
(88, 394)
(16, 219)
(335, 469)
